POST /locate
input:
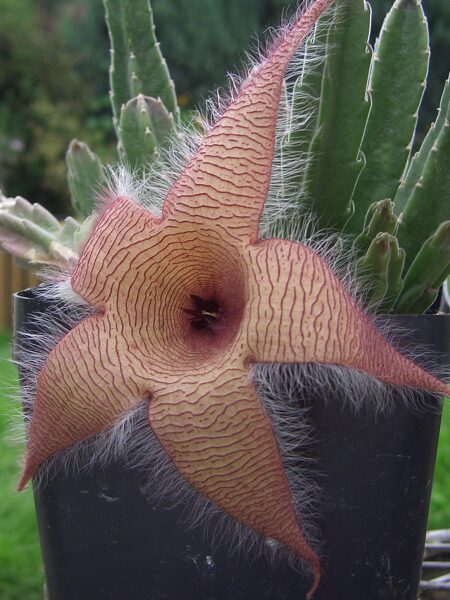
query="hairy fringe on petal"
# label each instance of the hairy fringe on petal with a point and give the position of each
(286, 390)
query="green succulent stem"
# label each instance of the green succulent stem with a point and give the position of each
(34, 237)
(149, 63)
(381, 267)
(397, 83)
(336, 161)
(137, 64)
(305, 103)
(84, 176)
(416, 166)
(380, 218)
(428, 204)
(426, 274)
(145, 126)
(120, 72)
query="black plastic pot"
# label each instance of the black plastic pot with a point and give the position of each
(102, 538)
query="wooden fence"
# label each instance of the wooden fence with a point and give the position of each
(12, 279)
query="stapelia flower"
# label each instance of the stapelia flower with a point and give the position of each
(188, 302)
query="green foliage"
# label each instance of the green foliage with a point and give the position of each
(429, 269)
(396, 84)
(306, 96)
(144, 126)
(44, 102)
(144, 103)
(415, 169)
(428, 204)
(150, 67)
(380, 218)
(336, 159)
(397, 212)
(438, 17)
(33, 235)
(381, 266)
(137, 65)
(84, 176)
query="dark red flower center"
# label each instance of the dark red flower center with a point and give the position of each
(204, 314)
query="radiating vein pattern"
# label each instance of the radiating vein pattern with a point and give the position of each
(186, 303)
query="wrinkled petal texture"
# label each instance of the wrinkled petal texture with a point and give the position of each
(188, 302)
(221, 441)
(300, 312)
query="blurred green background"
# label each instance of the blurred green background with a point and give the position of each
(53, 87)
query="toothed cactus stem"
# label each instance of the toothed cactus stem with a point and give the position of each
(84, 176)
(305, 100)
(135, 82)
(380, 218)
(151, 67)
(395, 282)
(69, 230)
(381, 267)
(417, 164)
(429, 203)
(374, 267)
(119, 72)
(397, 82)
(43, 217)
(145, 126)
(427, 272)
(335, 151)
(37, 234)
(34, 212)
(33, 236)
(17, 225)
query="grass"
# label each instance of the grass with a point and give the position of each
(21, 573)
(440, 500)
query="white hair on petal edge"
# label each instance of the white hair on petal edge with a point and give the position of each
(63, 310)
(298, 110)
(151, 188)
(286, 390)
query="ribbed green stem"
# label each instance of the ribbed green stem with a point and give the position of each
(84, 176)
(119, 72)
(426, 274)
(380, 218)
(151, 67)
(381, 268)
(429, 203)
(397, 82)
(145, 126)
(29, 233)
(69, 229)
(395, 282)
(36, 213)
(305, 105)
(417, 164)
(336, 161)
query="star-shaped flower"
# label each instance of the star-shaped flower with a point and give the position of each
(187, 303)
